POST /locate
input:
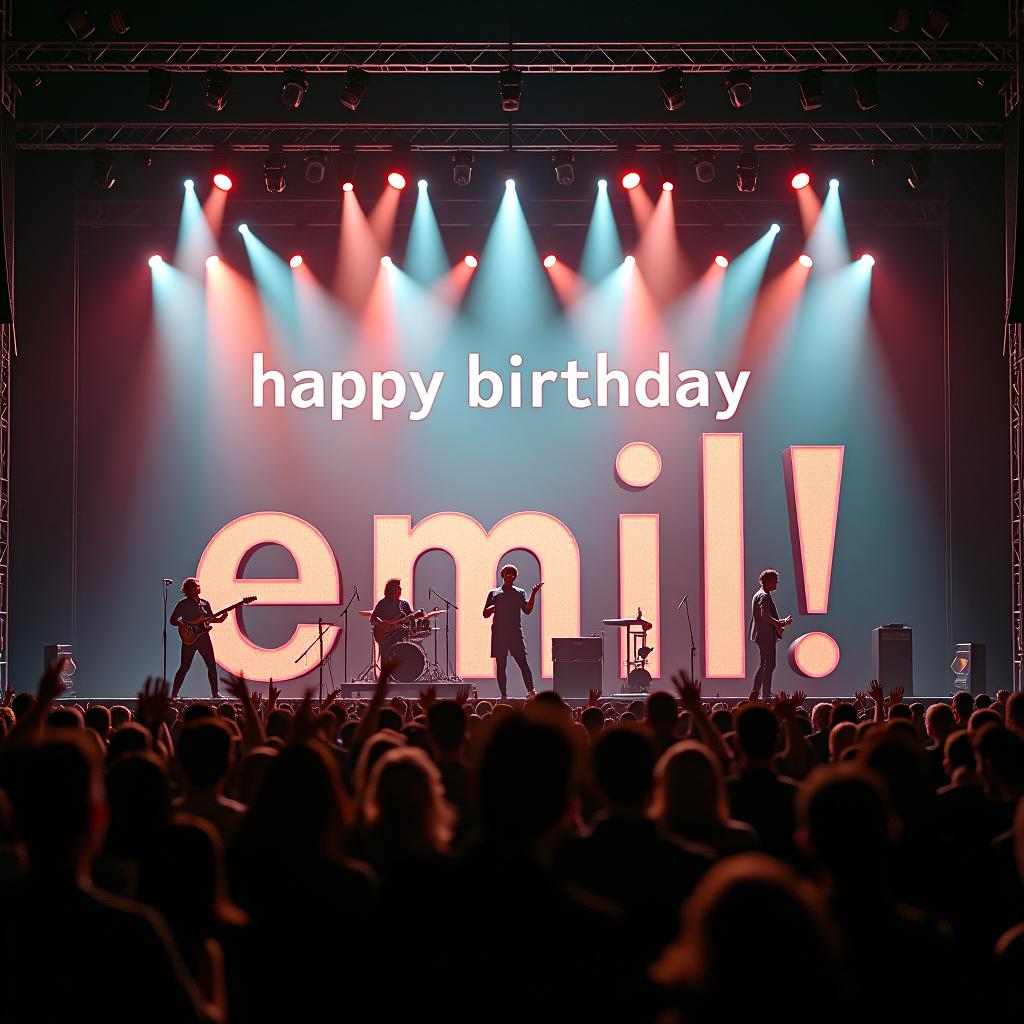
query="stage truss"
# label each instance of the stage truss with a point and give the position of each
(906, 55)
(598, 138)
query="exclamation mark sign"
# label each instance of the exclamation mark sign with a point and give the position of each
(814, 475)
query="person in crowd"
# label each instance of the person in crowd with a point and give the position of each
(690, 801)
(206, 755)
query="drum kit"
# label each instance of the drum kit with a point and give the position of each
(409, 646)
(638, 679)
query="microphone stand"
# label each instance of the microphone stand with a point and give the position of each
(450, 676)
(693, 645)
(167, 583)
(319, 639)
(344, 639)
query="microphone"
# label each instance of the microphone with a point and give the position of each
(356, 592)
(430, 593)
(681, 603)
(168, 583)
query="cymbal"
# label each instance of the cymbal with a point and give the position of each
(366, 614)
(430, 615)
(642, 623)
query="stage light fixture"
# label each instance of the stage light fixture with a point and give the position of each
(119, 22)
(356, 81)
(899, 19)
(602, 183)
(385, 261)
(217, 87)
(295, 262)
(422, 184)
(704, 167)
(868, 259)
(158, 90)
(550, 260)
(347, 186)
(510, 87)
(223, 181)
(865, 88)
(673, 88)
(510, 183)
(103, 169)
(630, 180)
(78, 20)
(243, 228)
(746, 171)
(155, 260)
(462, 167)
(316, 166)
(212, 261)
(722, 261)
(920, 169)
(739, 86)
(800, 180)
(189, 183)
(666, 186)
(274, 168)
(565, 173)
(812, 88)
(775, 229)
(294, 88)
(938, 20)
(396, 180)
(471, 261)
(805, 261)
(629, 260)
(833, 183)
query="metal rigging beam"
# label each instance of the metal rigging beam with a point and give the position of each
(258, 137)
(907, 55)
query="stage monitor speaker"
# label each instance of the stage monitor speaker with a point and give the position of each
(577, 678)
(893, 649)
(52, 653)
(969, 668)
(577, 648)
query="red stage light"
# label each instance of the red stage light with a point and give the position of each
(801, 180)
(396, 180)
(630, 180)
(471, 261)
(222, 181)
(550, 260)
(666, 186)
(805, 261)
(347, 186)
(722, 261)
(295, 261)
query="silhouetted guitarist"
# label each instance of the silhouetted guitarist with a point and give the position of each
(766, 629)
(192, 610)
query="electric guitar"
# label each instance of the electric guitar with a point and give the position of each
(383, 629)
(190, 632)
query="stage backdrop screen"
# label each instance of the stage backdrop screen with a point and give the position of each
(285, 414)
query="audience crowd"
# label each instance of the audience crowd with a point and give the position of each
(663, 859)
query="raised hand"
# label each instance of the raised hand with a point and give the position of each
(688, 690)
(462, 696)
(428, 697)
(535, 588)
(154, 701)
(8, 697)
(896, 697)
(593, 696)
(876, 692)
(236, 686)
(304, 723)
(273, 695)
(799, 697)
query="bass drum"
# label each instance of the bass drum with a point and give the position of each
(412, 661)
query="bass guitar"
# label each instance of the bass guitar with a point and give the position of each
(383, 629)
(190, 632)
